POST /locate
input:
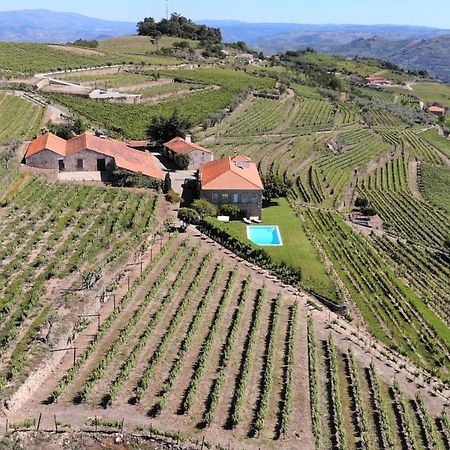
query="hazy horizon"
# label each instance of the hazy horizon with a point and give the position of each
(321, 12)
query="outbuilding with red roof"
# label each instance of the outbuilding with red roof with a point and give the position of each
(198, 155)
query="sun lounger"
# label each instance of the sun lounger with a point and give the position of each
(248, 221)
(255, 219)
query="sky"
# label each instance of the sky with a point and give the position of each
(435, 13)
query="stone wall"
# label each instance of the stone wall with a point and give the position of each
(89, 159)
(249, 201)
(198, 158)
(47, 159)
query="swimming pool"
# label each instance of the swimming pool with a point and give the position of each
(264, 235)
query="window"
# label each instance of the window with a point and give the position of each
(244, 198)
(225, 198)
(235, 198)
(215, 198)
(80, 163)
(61, 165)
(255, 199)
(101, 165)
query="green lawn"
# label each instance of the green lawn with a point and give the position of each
(296, 251)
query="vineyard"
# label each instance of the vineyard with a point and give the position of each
(21, 119)
(194, 333)
(111, 318)
(56, 238)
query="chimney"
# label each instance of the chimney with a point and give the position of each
(188, 138)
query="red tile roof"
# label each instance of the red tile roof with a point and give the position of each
(47, 141)
(125, 157)
(436, 108)
(180, 145)
(238, 173)
(137, 144)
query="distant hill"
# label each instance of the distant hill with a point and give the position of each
(41, 25)
(411, 47)
(279, 37)
(430, 54)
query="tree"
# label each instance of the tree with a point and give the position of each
(182, 160)
(68, 130)
(274, 187)
(204, 208)
(230, 210)
(126, 178)
(361, 202)
(188, 216)
(163, 129)
(182, 45)
(180, 27)
(167, 183)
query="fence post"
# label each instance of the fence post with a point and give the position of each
(96, 427)
(203, 442)
(7, 425)
(121, 426)
(56, 423)
(39, 422)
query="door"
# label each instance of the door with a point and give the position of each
(61, 165)
(101, 165)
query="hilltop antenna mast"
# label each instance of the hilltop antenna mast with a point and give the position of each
(167, 9)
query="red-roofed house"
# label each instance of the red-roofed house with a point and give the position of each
(233, 181)
(197, 154)
(436, 108)
(89, 153)
(378, 81)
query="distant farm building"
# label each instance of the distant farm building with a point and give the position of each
(198, 155)
(378, 81)
(436, 108)
(246, 58)
(233, 181)
(90, 156)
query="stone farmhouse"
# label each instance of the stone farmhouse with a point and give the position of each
(233, 181)
(198, 155)
(91, 156)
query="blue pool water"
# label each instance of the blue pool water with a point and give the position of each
(264, 235)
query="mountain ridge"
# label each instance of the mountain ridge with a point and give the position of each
(43, 25)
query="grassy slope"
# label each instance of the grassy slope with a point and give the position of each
(433, 92)
(139, 45)
(439, 142)
(296, 251)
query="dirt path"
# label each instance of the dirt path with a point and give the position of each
(413, 166)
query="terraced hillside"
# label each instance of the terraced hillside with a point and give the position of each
(111, 320)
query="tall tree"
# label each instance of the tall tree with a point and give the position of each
(163, 129)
